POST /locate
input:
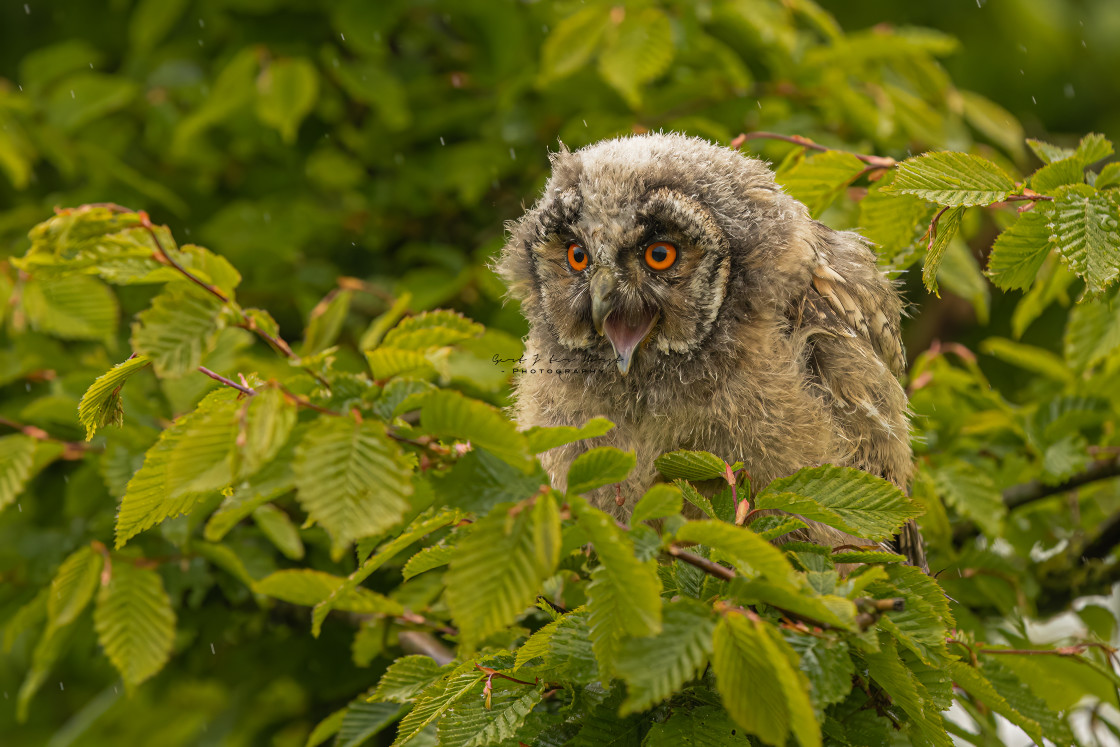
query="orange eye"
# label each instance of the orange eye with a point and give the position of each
(661, 255)
(577, 257)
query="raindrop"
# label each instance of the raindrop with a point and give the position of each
(342, 36)
(5, 695)
(72, 93)
(66, 478)
(201, 23)
(1069, 91)
(377, 36)
(200, 42)
(1021, 71)
(212, 648)
(512, 154)
(335, 61)
(60, 686)
(187, 231)
(27, 9)
(1023, 47)
(585, 123)
(759, 104)
(21, 89)
(91, 66)
(1084, 44)
(441, 141)
(20, 507)
(1034, 101)
(27, 385)
(115, 690)
(268, 217)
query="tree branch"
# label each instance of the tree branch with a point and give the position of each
(1020, 495)
(877, 162)
(71, 449)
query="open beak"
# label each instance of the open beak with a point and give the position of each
(625, 332)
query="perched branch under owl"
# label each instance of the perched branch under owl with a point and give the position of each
(713, 314)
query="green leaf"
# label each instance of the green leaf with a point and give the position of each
(694, 497)
(1092, 148)
(747, 652)
(325, 323)
(690, 465)
(265, 428)
(848, 499)
(326, 728)
(286, 92)
(827, 664)
(150, 22)
(960, 273)
(150, 496)
(449, 414)
(603, 465)
(101, 404)
(134, 621)
(87, 97)
(407, 677)
(654, 668)
(178, 328)
(637, 51)
(432, 329)
(202, 459)
(1084, 231)
(892, 221)
(570, 45)
(571, 655)
(819, 179)
(1028, 357)
(477, 722)
(363, 720)
(75, 307)
(824, 609)
(375, 333)
(497, 570)
(625, 593)
(953, 179)
(905, 691)
(1092, 332)
(17, 454)
(386, 362)
(946, 229)
(351, 478)
(72, 586)
(659, 502)
(993, 121)
(1024, 701)
(1048, 153)
(436, 556)
(706, 726)
(309, 587)
(1109, 177)
(972, 493)
(542, 438)
(47, 651)
(434, 702)
(750, 554)
(271, 482)
(1018, 253)
(973, 681)
(280, 530)
(1057, 174)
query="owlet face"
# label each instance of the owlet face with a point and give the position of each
(630, 253)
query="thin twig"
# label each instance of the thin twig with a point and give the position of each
(72, 449)
(880, 162)
(222, 379)
(712, 569)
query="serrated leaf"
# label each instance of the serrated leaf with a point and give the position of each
(571, 43)
(286, 92)
(537, 644)
(363, 720)
(351, 478)
(819, 179)
(449, 414)
(973, 681)
(1108, 177)
(750, 554)
(72, 586)
(706, 726)
(1018, 252)
(693, 496)
(601, 724)
(638, 51)
(265, 429)
(905, 692)
(603, 465)
(826, 663)
(953, 179)
(745, 653)
(101, 404)
(178, 328)
(407, 677)
(1092, 148)
(375, 333)
(690, 465)
(1057, 174)
(476, 721)
(434, 702)
(497, 570)
(326, 728)
(309, 587)
(134, 622)
(772, 527)
(972, 493)
(280, 530)
(1092, 332)
(1048, 153)
(17, 456)
(75, 307)
(892, 221)
(202, 459)
(385, 363)
(325, 322)
(543, 438)
(848, 499)
(1084, 231)
(424, 524)
(150, 496)
(441, 320)
(659, 502)
(271, 482)
(427, 559)
(1023, 700)
(1028, 357)
(654, 668)
(946, 229)
(625, 593)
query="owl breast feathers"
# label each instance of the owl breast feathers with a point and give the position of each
(698, 306)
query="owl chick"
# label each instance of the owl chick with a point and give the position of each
(698, 306)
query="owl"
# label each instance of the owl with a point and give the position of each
(671, 286)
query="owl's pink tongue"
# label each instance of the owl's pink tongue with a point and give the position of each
(626, 335)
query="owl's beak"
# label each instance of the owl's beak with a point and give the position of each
(625, 334)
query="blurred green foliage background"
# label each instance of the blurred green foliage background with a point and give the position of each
(389, 141)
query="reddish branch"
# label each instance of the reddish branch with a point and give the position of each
(71, 449)
(876, 162)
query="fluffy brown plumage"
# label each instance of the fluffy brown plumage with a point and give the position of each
(772, 339)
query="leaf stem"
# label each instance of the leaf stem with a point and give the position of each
(879, 162)
(222, 379)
